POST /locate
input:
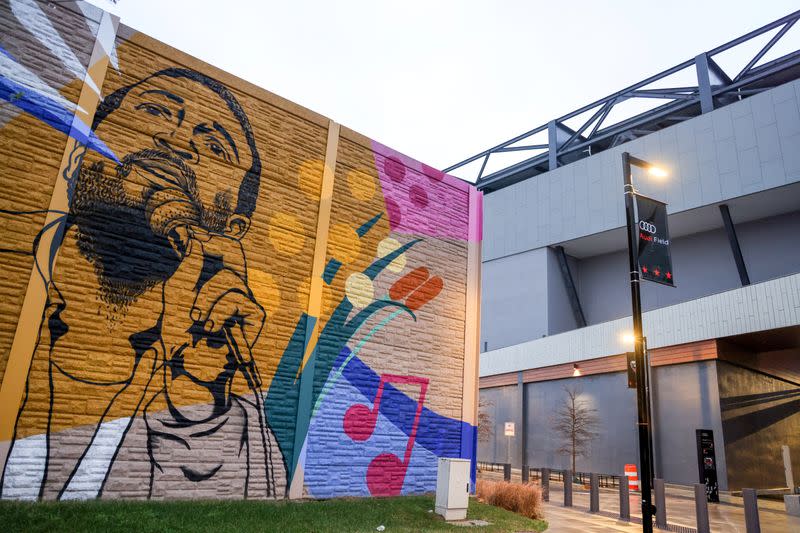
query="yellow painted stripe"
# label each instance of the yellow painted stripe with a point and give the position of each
(321, 241)
(469, 406)
(30, 317)
(296, 484)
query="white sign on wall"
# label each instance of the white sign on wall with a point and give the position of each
(509, 429)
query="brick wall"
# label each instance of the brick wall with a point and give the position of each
(211, 292)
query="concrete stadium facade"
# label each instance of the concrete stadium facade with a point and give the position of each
(725, 350)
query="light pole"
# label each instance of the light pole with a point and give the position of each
(642, 381)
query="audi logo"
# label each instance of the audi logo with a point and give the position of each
(647, 226)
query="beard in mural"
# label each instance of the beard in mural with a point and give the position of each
(158, 232)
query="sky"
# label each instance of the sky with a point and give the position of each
(441, 80)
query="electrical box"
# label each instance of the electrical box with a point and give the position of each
(452, 488)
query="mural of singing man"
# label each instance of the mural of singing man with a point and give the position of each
(150, 322)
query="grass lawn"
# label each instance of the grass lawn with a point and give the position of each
(407, 513)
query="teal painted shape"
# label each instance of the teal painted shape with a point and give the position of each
(281, 402)
(331, 269)
(290, 398)
(304, 400)
(366, 226)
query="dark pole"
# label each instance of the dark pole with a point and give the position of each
(651, 418)
(638, 349)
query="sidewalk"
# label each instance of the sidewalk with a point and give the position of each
(724, 517)
(572, 520)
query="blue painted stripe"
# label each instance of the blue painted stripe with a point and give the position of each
(8, 54)
(53, 114)
(439, 434)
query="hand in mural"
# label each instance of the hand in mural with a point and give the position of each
(210, 328)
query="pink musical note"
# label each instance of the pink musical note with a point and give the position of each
(386, 472)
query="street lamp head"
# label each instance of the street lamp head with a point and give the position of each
(576, 370)
(653, 170)
(628, 338)
(657, 172)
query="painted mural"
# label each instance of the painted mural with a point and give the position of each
(210, 292)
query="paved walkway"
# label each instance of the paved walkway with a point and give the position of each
(572, 520)
(724, 517)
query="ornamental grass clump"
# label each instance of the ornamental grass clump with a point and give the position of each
(524, 499)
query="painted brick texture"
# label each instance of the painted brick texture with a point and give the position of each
(218, 324)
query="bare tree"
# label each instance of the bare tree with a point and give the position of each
(485, 430)
(576, 424)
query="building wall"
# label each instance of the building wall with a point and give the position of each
(525, 297)
(685, 399)
(560, 316)
(703, 264)
(240, 298)
(739, 149)
(514, 296)
(769, 258)
(759, 415)
(615, 405)
(501, 405)
(758, 307)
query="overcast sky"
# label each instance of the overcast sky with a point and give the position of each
(441, 80)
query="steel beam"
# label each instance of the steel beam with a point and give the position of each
(521, 148)
(552, 142)
(572, 293)
(764, 50)
(713, 82)
(719, 75)
(704, 83)
(734, 242)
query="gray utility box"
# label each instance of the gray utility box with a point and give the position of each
(792, 502)
(452, 488)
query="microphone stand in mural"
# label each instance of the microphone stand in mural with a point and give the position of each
(249, 370)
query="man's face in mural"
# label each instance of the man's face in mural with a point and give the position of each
(183, 156)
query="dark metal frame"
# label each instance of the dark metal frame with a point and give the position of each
(642, 366)
(535, 473)
(569, 283)
(733, 240)
(714, 88)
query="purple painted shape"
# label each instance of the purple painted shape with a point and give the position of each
(439, 434)
(421, 200)
(336, 465)
(476, 215)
